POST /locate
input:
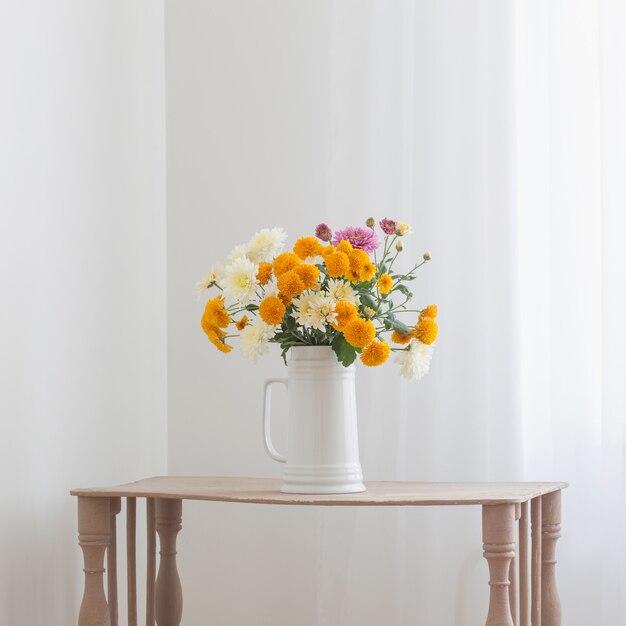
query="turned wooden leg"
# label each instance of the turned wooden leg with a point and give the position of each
(550, 532)
(131, 559)
(499, 550)
(115, 506)
(524, 561)
(93, 537)
(535, 566)
(169, 593)
(151, 561)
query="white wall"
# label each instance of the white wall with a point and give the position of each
(82, 275)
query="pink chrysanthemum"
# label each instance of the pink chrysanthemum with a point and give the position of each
(323, 232)
(363, 238)
(388, 226)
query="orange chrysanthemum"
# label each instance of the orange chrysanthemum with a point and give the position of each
(376, 353)
(307, 246)
(265, 273)
(337, 264)
(285, 262)
(242, 323)
(359, 332)
(327, 250)
(346, 312)
(430, 311)
(290, 284)
(284, 299)
(358, 259)
(308, 275)
(345, 246)
(215, 314)
(384, 283)
(426, 330)
(400, 338)
(216, 337)
(272, 310)
(367, 272)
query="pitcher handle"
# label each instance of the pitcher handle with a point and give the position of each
(267, 433)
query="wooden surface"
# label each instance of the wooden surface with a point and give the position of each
(266, 491)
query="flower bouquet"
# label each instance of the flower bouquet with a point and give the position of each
(338, 289)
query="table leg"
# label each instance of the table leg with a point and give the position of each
(499, 550)
(93, 537)
(115, 506)
(550, 532)
(169, 594)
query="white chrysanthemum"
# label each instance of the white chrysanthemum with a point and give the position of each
(239, 282)
(266, 244)
(415, 361)
(212, 277)
(314, 260)
(341, 291)
(254, 338)
(314, 310)
(271, 289)
(239, 252)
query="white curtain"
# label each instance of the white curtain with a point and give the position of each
(495, 129)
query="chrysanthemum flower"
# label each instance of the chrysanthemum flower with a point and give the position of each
(415, 360)
(307, 247)
(255, 338)
(240, 282)
(400, 338)
(265, 273)
(426, 330)
(359, 237)
(341, 291)
(388, 226)
(286, 300)
(346, 312)
(285, 262)
(215, 314)
(430, 311)
(358, 260)
(402, 229)
(266, 244)
(216, 337)
(359, 332)
(323, 232)
(367, 272)
(384, 283)
(321, 312)
(242, 323)
(212, 277)
(344, 246)
(308, 275)
(376, 353)
(326, 250)
(238, 252)
(337, 264)
(290, 284)
(272, 310)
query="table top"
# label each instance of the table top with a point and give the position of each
(267, 491)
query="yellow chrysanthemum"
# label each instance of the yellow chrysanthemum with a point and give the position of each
(337, 264)
(216, 337)
(326, 250)
(367, 272)
(430, 311)
(215, 314)
(426, 330)
(272, 310)
(352, 276)
(384, 283)
(376, 353)
(284, 299)
(346, 312)
(345, 246)
(358, 259)
(308, 275)
(400, 338)
(290, 284)
(242, 323)
(265, 273)
(359, 332)
(307, 246)
(285, 262)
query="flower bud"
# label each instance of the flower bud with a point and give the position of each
(399, 245)
(427, 256)
(369, 312)
(369, 222)
(402, 229)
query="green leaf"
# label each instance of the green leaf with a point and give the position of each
(367, 300)
(402, 328)
(346, 354)
(252, 307)
(404, 289)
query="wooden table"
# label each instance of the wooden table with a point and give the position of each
(521, 524)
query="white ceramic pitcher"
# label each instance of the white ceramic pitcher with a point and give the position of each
(322, 442)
